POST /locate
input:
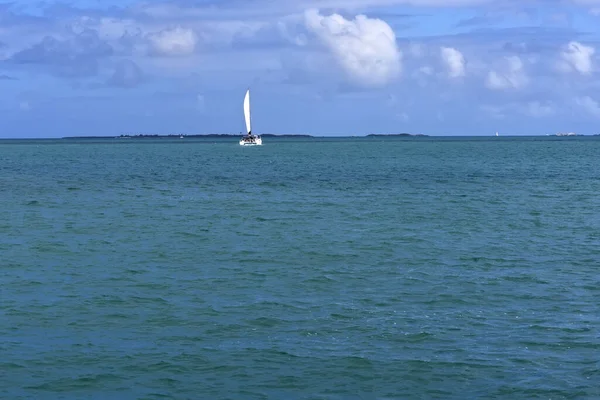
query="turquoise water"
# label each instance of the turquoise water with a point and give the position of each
(427, 268)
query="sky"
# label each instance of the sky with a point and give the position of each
(319, 67)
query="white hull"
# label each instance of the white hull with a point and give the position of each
(253, 142)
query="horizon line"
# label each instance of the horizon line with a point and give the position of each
(297, 135)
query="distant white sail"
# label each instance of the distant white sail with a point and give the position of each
(249, 139)
(247, 111)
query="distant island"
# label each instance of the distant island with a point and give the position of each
(207, 135)
(228, 135)
(395, 134)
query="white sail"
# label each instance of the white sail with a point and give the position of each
(249, 139)
(247, 111)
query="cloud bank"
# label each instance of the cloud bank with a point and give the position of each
(334, 60)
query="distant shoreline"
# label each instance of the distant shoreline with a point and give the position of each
(206, 135)
(297, 136)
(395, 134)
(230, 135)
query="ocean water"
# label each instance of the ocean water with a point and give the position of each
(381, 268)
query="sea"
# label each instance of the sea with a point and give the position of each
(306, 268)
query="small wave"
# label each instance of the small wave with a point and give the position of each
(341, 316)
(5, 366)
(417, 337)
(319, 279)
(525, 279)
(82, 382)
(145, 300)
(560, 328)
(265, 322)
(193, 234)
(274, 184)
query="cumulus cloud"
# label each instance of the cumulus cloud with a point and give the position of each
(512, 75)
(365, 48)
(173, 42)
(76, 55)
(454, 62)
(577, 57)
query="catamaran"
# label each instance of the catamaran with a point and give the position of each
(249, 139)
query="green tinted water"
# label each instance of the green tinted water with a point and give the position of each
(303, 269)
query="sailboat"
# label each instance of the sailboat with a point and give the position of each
(249, 139)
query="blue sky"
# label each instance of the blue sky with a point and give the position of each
(323, 67)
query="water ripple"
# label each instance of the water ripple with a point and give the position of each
(413, 269)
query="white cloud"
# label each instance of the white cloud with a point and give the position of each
(174, 42)
(365, 48)
(298, 39)
(589, 105)
(179, 35)
(577, 57)
(513, 76)
(454, 61)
